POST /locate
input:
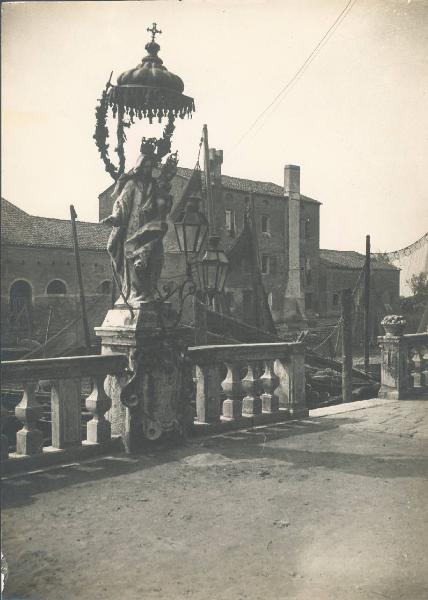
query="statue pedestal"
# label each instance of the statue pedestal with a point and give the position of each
(153, 396)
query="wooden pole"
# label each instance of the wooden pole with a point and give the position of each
(47, 330)
(73, 215)
(346, 301)
(367, 307)
(255, 267)
(211, 219)
(200, 318)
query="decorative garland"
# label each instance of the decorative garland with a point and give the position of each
(101, 134)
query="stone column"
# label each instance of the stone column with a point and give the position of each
(66, 413)
(394, 375)
(291, 389)
(208, 387)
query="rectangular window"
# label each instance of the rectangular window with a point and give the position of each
(335, 299)
(265, 264)
(307, 228)
(229, 219)
(265, 224)
(308, 301)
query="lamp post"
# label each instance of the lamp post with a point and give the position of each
(214, 265)
(191, 229)
(213, 268)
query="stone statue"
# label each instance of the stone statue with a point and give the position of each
(139, 226)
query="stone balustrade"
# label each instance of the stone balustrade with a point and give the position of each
(64, 376)
(261, 379)
(404, 367)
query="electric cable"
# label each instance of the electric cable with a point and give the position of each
(299, 71)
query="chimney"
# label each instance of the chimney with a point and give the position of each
(291, 180)
(294, 305)
(216, 160)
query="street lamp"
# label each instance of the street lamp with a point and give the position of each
(213, 268)
(191, 229)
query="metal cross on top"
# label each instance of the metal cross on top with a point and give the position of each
(153, 31)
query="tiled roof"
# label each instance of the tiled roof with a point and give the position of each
(247, 185)
(348, 259)
(18, 228)
(242, 185)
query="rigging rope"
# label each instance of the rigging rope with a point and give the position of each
(339, 321)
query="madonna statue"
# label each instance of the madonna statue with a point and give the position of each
(141, 206)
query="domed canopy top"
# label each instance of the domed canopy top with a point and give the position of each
(150, 89)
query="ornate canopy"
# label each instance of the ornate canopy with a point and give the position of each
(147, 91)
(150, 90)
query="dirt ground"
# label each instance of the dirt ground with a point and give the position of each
(334, 507)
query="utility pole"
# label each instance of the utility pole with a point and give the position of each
(346, 302)
(367, 307)
(73, 215)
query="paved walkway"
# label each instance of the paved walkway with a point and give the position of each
(335, 507)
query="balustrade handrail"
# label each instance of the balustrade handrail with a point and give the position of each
(215, 354)
(416, 337)
(21, 371)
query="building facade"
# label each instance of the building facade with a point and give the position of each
(40, 294)
(287, 227)
(39, 291)
(341, 269)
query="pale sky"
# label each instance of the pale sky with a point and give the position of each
(356, 121)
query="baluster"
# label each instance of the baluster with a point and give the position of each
(424, 367)
(269, 382)
(232, 388)
(251, 404)
(66, 413)
(98, 429)
(29, 439)
(208, 388)
(415, 364)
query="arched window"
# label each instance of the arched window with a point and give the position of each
(20, 301)
(56, 286)
(105, 287)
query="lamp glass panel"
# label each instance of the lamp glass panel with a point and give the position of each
(192, 234)
(202, 233)
(212, 275)
(180, 233)
(222, 276)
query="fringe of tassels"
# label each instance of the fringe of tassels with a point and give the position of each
(144, 102)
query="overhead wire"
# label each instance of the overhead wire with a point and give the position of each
(299, 72)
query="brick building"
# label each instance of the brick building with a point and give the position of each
(39, 292)
(340, 269)
(287, 225)
(39, 285)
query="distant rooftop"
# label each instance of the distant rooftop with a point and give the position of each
(18, 228)
(348, 259)
(237, 184)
